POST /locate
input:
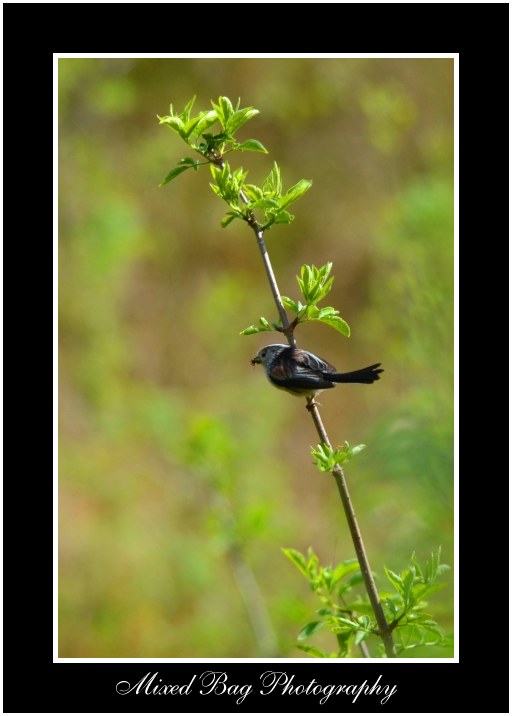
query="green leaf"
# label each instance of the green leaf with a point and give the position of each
(347, 622)
(355, 580)
(264, 203)
(327, 458)
(326, 576)
(327, 311)
(173, 174)
(395, 580)
(315, 284)
(425, 591)
(239, 118)
(313, 561)
(175, 123)
(251, 330)
(206, 119)
(191, 125)
(360, 636)
(263, 326)
(297, 558)
(408, 581)
(337, 323)
(188, 161)
(224, 110)
(390, 604)
(185, 115)
(364, 622)
(442, 569)
(283, 217)
(272, 185)
(227, 107)
(357, 449)
(344, 568)
(310, 629)
(292, 305)
(295, 192)
(251, 145)
(324, 612)
(253, 192)
(231, 216)
(325, 286)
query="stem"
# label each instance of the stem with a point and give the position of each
(371, 588)
(357, 539)
(258, 232)
(364, 650)
(254, 603)
(339, 476)
(246, 582)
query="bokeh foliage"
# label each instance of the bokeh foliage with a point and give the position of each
(181, 471)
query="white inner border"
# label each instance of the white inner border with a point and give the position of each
(225, 55)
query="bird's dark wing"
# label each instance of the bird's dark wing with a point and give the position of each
(308, 362)
(300, 371)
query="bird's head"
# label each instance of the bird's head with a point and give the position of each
(267, 354)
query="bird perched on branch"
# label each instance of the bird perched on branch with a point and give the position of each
(303, 373)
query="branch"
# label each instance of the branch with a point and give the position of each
(258, 232)
(339, 476)
(384, 628)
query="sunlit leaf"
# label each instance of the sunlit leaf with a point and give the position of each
(173, 174)
(337, 323)
(310, 629)
(252, 145)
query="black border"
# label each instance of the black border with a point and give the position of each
(479, 32)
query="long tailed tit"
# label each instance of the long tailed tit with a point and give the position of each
(303, 373)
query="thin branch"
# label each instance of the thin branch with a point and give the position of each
(245, 579)
(254, 603)
(364, 650)
(371, 588)
(357, 539)
(258, 232)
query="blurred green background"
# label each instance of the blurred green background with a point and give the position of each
(182, 472)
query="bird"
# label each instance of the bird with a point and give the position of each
(304, 374)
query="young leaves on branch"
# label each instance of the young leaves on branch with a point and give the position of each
(351, 618)
(243, 199)
(331, 584)
(267, 198)
(264, 325)
(315, 284)
(271, 200)
(326, 458)
(210, 146)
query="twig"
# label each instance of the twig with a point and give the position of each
(287, 328)
(339, 476)
(355, 532)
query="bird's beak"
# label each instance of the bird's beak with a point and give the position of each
(255, 360)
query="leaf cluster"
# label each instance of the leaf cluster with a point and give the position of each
(406, 606)
(314, 284)
(351, 618)
(268, 198)
(210, 146)
(326, 458)
(243, 199)
(331, 585)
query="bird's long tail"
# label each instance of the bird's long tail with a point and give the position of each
(364, 375)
